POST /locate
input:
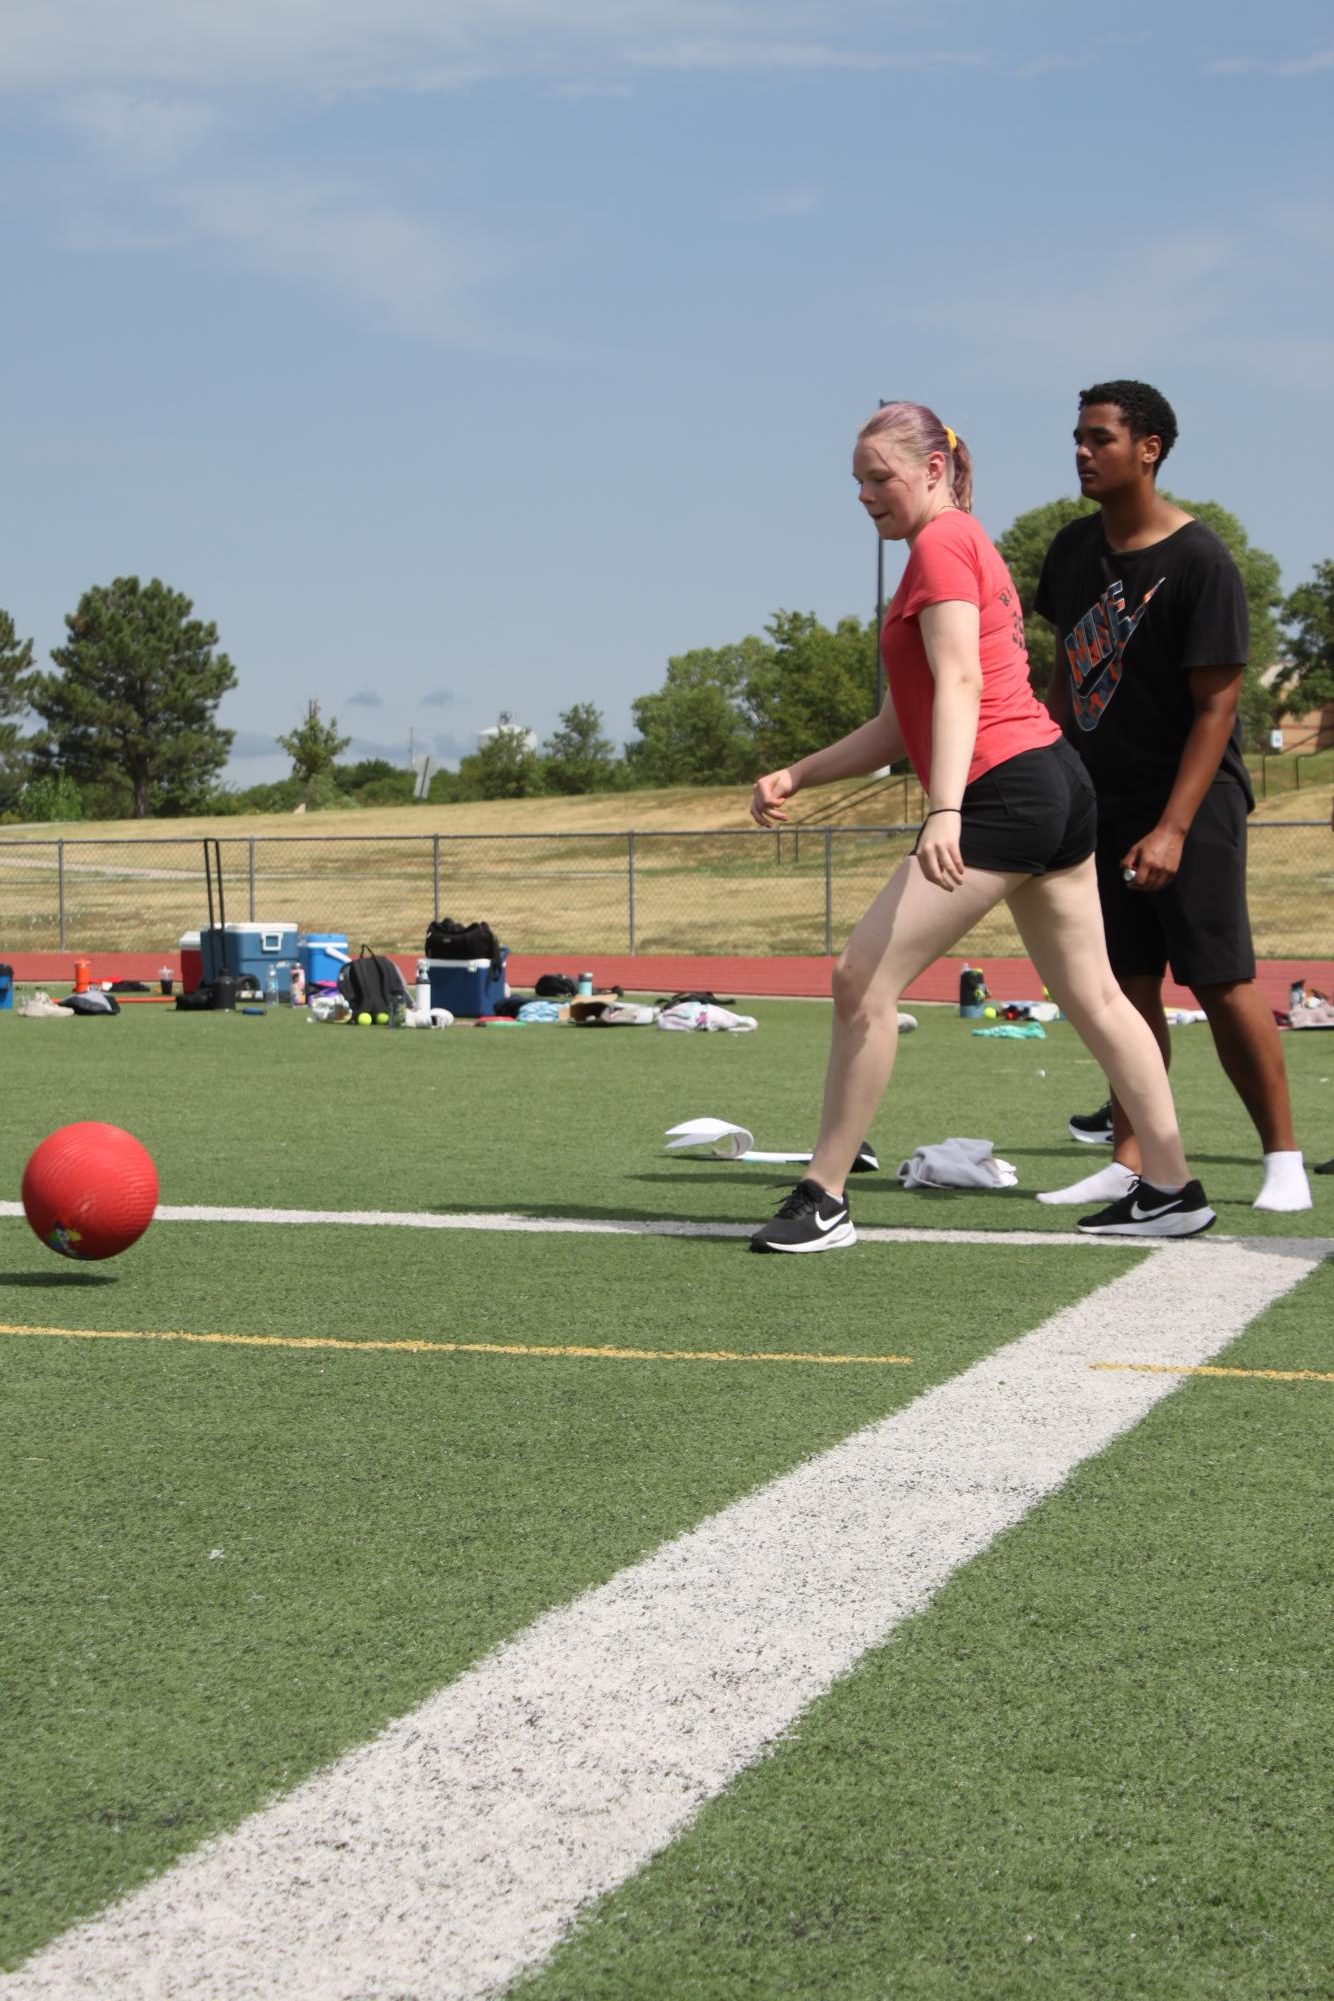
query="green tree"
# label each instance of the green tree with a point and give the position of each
(1307, 678)
(313, 745)
(1264, 600)
(1024, 546)
(696, 729)
(53, 796)
(132, 711)
(351, 777)
(578, 758)
(811, 686)
(505, 767)
(15, 684)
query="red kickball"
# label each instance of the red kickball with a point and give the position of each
(90, 1190)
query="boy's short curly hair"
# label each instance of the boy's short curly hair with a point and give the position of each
(1147, 412)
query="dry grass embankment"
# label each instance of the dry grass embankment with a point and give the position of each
(362, 872)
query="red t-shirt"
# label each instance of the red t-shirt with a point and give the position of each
(953, 558)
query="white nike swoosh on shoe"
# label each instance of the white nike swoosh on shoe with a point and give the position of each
(1138, 1215)
(833, 1222)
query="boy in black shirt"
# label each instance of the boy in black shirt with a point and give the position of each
(1152, 635)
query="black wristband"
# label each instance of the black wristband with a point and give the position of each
(941, 809)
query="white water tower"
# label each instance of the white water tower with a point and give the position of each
(505, 725)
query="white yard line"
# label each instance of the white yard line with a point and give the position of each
(581, 1226)
(459, 1846)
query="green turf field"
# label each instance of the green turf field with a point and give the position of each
(1094, 1766)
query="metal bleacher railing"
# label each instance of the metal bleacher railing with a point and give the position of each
(797, 890)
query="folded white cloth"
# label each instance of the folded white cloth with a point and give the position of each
(705, 1015)
(957, 1163)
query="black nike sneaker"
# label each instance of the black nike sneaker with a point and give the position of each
(809, 1220)
(1094, 1128)
(1147, 1211)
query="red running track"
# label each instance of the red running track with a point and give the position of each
(655, 974)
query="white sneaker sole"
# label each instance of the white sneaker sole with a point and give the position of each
(1090, 1139)
(1187, 1223)
(837, 1239)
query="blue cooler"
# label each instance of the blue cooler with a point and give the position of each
(6, 986)
(323, 955)
(249, 948)
(465, 986)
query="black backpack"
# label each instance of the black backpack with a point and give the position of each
(372, 984)
(447, 939)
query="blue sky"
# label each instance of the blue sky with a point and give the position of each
(458, 355)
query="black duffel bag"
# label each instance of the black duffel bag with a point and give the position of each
(448, 939)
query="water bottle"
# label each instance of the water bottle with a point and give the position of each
(271, 985)
(1296, 995)
(972, 989)
(585, 983)
(165, 977)
(422, 996)
(296, 988)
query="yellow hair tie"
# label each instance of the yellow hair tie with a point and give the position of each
(950, 435)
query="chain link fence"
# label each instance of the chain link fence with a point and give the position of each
(795, 890)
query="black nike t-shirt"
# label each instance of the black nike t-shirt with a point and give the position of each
(1130, 625)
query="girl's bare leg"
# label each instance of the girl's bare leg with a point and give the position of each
(910, 923)
(1060, 922)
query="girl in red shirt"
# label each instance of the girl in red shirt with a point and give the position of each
(1010, 814)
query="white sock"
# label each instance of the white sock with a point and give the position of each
(1107, 1185)
(1285, 1184)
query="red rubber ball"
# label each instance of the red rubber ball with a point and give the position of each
(90, 1190)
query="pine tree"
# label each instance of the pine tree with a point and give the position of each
(132, 710)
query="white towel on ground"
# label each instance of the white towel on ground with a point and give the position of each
(957, 1163)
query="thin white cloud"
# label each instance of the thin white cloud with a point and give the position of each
(576, 89)
(343, 239)
(1049, 65)
(1308, 65)
(714, 54)
(779, 202)
(440, 698)
(338, 45)
(365, 698)
(136, 134)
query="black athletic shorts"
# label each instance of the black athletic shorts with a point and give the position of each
(1031, 815)
(1199, 924)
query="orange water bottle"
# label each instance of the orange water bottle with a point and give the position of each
(80, 976)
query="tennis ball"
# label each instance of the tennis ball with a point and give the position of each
(989, 1013)
(380, 1020)
(363, 1021)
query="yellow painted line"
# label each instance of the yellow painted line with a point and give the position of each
(454, 1347)
(1209, 1369)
